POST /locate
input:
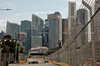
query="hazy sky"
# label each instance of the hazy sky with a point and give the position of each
(23, 9)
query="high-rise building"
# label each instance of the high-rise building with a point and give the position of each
(71, 16)
(2, 34)
(36, 30)
(46, 23)
(12, 29)
(55, 29)
(43, 37)
(64, 29)
(97, 5)
(36, 41)
(28, 41)
(25, 24)
(46, 32)
(26, 35)
(37, 25)
(82, 17)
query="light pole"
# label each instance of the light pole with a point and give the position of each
(15, 49)
(0, 39)
(5, 9)
(0, 49)
(19, 51)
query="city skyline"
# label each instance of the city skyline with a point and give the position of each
(19, 13)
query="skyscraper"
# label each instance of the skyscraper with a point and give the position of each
(71, 16)
(25, 24)
(46, 32)
(28, 40)
(26, 36)
(64, 29)
(36, 30)
(12, 29)
(46, 23)
(2, 34)
(82, 17)
(55, 29)
(37, 25)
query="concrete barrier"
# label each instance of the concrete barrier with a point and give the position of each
(54, 62)
(63, 64)
(22, 62)
(29, 58)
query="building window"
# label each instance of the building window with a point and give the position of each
(72, 9)
(72, 22)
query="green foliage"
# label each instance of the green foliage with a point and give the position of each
(7, 37)
(51, 51)
(6, 48)
(24, 52)
(9, 45)
(47, 53)
(21, 49)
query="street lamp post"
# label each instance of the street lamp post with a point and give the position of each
(15, 49)
(19, 51)
(5, 9)
(0, 49)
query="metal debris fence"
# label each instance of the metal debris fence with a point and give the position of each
(82, 46)
(7, 57)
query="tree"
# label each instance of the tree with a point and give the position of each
(8, 44)
(7, 37)
(21, 49)
(6, 48)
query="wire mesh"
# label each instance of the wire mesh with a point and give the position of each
(82, 48)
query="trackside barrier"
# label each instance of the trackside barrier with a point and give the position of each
(3, 63)
(63, 64)
(29, 58)
(57, 63)
(38, 58)
(22, 62)
(54, 62)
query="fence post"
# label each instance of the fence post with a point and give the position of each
(9, 56)
(0, 53)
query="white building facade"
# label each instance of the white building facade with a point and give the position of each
(71, 16)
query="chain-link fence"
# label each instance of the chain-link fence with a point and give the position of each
(7, 57)
(82, 46)
(22, 57)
